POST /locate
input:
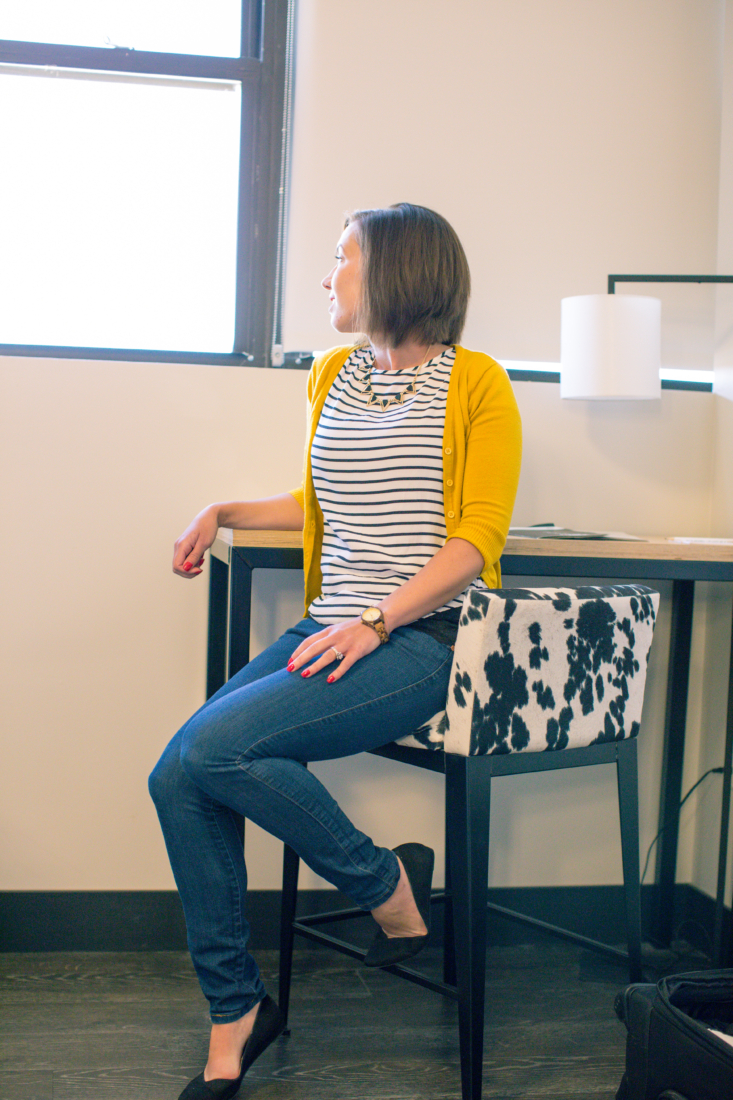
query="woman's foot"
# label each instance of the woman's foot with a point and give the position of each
(399, 914)
(404, 919)
(226, 1045)
(235, 1045)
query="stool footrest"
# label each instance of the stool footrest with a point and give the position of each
(332, 915)
(564, 933)
(302, 929)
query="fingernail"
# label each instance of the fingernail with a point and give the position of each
(201, 561)
(330, 679)
(306, 673)
(187, 566)
(291, 666)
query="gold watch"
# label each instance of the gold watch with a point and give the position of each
(374, 618)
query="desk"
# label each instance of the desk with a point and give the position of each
(236, 553)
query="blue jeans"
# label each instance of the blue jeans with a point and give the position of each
(245, 750)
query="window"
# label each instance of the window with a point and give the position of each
(140, 213)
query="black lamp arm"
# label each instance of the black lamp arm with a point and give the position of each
(613, 279)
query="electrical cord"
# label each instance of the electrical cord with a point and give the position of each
(710, 771)
(691, 923)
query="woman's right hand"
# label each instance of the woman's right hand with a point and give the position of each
(280, 513)
(189, 549)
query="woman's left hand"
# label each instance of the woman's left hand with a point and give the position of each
(351, 638)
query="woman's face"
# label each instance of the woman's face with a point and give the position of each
(344, 282)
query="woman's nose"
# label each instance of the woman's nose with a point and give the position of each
(326, 281)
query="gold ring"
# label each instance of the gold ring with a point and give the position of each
(339, 656)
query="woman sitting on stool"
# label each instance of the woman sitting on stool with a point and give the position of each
(411, 470)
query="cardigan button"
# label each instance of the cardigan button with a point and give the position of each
(448, 451)
(450, 515)
(449, 481)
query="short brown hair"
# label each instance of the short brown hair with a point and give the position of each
(416, 281)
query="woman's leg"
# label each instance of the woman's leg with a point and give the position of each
(207, 858)
(248, 750)
(245, 750)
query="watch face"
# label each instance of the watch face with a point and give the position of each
(372, 615)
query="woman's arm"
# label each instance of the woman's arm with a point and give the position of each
(448, 572)
(280, 513)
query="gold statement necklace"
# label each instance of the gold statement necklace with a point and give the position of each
(395, 399)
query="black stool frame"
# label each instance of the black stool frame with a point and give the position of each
(467, 806)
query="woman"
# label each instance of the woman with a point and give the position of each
(411, 469)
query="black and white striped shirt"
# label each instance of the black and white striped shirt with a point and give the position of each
(378, 476)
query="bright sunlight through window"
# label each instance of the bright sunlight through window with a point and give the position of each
(118, 218)
(165, 26)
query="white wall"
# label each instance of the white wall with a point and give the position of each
(103, 649)
(723, 488)
(717, 634)
(565, 141)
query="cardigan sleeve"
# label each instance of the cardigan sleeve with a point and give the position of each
(492, 464)
(299, 491)
(322, 372)
(299, 495)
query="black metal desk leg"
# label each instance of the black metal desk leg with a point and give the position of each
(216, 665)
(240, 611)
(240, 614)
(720, 952)
(683, 595)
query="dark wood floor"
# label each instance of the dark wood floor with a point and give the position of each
(134, 1027)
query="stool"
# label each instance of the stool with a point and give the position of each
(542, 678)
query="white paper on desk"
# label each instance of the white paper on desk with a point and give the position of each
(703, 541)
(722, 1035)
(552, 532)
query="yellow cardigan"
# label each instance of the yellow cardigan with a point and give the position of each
(482, 450)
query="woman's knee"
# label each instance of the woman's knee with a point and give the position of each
(201, 751)
(214, 742)
(165, 779)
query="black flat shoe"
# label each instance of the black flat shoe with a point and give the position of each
(269, 1023)
(418, 861)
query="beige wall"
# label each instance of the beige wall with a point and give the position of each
(565, 141)
(718, 605)
(103, 649)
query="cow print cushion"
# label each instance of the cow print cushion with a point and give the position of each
(544, 669)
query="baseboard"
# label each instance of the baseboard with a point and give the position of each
(152, 920)
(91, 920)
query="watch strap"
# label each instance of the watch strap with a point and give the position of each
(379, 627)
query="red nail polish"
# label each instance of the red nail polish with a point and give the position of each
(187, 567)
(330, 679)
(291, 666)
(201, 561)
(306, 673)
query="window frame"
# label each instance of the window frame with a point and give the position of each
(261, 71)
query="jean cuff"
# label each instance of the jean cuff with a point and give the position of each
(386, 893)
(232, 1017)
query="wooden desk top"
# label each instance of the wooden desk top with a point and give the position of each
(649, 549)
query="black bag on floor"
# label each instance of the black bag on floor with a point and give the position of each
(671, 1051)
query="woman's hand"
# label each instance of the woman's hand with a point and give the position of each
(189, 549)
(280, 513)
(351, 638)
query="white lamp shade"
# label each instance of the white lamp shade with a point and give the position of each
(610, 347)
